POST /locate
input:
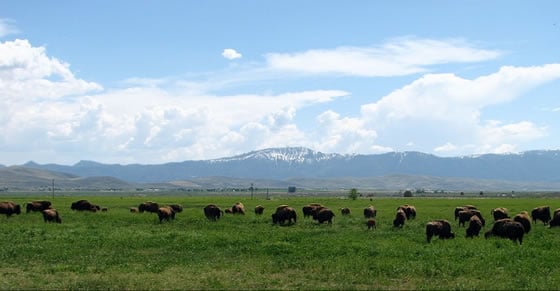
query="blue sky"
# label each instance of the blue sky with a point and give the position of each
(160, 81)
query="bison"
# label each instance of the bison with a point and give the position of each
(465, 215)
(541, 213)
(323, 215)
(409, 210)
(499, 213)
(507, 228)
(440, 228)
(213, 212)
(37, 205)
(309, 209)
(400, 218)
(345, 211)
(259, 210)
(178, 208)
(51, 215)
(133, 209)
(148, 206)
(524, 219)
(284, 213)
(370, 212)
(371, 223)
(84, 205)
(9, 208)
(555, 218)
(463, 208)
(475, 225)
(238, 208)
(165, 213)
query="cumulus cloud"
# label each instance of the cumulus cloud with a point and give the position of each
(231, 54)
(399, 57)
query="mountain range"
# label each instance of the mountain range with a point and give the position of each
(298, 165)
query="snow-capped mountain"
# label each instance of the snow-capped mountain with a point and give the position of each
(292, 162)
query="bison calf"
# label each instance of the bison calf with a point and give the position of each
(51, 215)
(371, 223)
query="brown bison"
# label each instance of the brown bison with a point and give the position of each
(524, 219)
(284, 213)
(165, 213)
(400, 218)
(9, 208)
(499, 213)
(409, 211)
(541, 213)
(345, 211)
(370, 212)
(507, 228)
(555, 218)
(134, 209)
(238, 208)
(51, 215)
(148, 206)
(465, 215)
(323, 215)
(213, 212)
(228, 210)
(463, 208)
(39, 205)
(371, 223)
(178, 208)
(440, 228)
(475, 225)
(84, 205)
(259, 210)
(309, 209)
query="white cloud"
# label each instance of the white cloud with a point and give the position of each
(7, 27)
(447, 147)
(400, 57)
(231, 54)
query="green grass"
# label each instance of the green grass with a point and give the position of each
(123, 250)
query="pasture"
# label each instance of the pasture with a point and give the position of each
(122, 250)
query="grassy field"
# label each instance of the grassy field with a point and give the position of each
(123, 250)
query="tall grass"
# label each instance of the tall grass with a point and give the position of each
(123, 250)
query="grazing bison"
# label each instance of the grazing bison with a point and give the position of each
(323, 215)
(400, 218)
(524, 219)
(259, 210)
(51, 215)
(345, 211)
(507, 228)
(148, 206)
(475, 225)
(37, 205)
(238, 208)
(370, 212)
(134, 209)
(541, 213)
(284, 213)
(213, 212)
(309, 209)
(465, 215)
(440, 228)
(371, 223)
(9, 208)
(463, 208)
(165, 213)
(555, 218)
(176, 207)
(499, 213)
(409, 211)
(84, 205)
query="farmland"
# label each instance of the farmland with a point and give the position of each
(122, 250)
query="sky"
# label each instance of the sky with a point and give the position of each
(152, 82)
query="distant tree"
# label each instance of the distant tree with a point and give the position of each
(481, 193)
(353, 194)
(462, 193)
(292, 189)
(407, 193)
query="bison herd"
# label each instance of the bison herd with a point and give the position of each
(504, 226)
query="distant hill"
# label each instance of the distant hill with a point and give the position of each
(299, 162)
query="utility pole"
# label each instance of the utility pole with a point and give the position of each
(53, 189)
(252, 188)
